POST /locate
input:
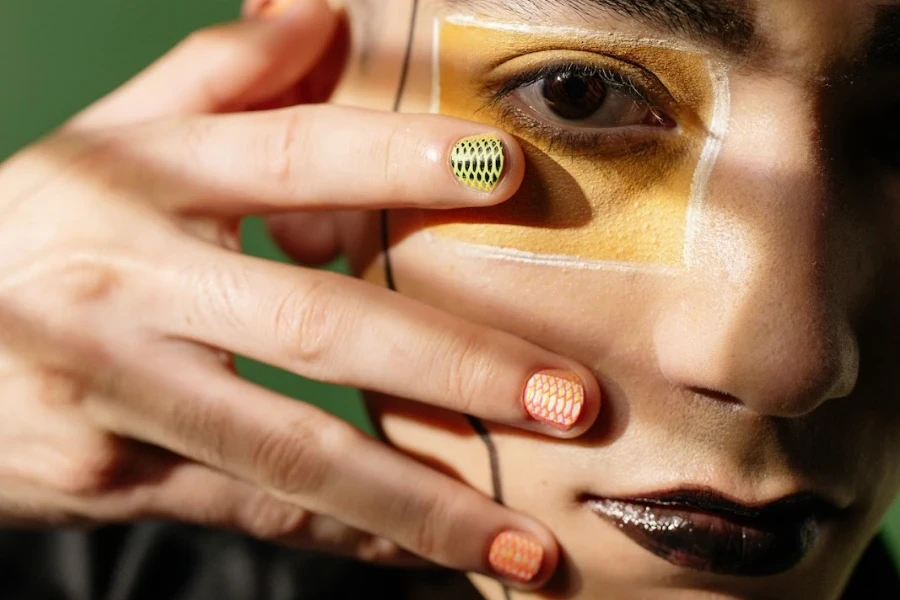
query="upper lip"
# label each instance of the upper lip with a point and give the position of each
(704, 530)
(794, 507)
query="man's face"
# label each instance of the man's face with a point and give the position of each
(709, 222)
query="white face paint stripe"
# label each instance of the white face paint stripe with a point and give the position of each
(436, 68)
(547, 260)
(717, 131)
(699, 186)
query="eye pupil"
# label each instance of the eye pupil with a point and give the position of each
(574, 97)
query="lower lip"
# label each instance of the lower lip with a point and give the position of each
(711, 543)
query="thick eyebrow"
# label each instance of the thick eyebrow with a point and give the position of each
(721, 24)
(884, 49)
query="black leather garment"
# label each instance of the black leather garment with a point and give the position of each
(163, 561)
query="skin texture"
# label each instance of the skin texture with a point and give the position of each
(123, 295)
(765, 366)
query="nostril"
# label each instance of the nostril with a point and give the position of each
(723, 397)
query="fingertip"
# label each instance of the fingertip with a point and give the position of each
(592, 404)
(515, 168)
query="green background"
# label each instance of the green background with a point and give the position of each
(56, 56)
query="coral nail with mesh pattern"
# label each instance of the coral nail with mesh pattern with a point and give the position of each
(555, 397)
(516, 556)
(478, 162)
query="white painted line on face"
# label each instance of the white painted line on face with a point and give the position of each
(436, 68)
(717, 131)
(547, 260)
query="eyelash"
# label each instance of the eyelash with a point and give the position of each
(568, 140)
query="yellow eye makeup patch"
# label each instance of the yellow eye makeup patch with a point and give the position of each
(593, 195)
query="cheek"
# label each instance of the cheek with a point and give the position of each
(442, 440)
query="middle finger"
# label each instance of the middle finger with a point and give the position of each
(344, 331)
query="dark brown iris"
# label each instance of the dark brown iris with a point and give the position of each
(574, 97)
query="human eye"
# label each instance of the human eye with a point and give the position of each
(586, 107)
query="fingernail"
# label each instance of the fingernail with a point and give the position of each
(478, 162)
(273, 8)
(555, 397)
(516, 556)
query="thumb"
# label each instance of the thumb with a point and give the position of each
(224, 68)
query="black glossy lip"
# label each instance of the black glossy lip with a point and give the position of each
(705, 531)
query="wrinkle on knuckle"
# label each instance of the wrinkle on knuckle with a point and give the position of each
(290, 462)
(398, 152)
(306, 325)
(285, 149)
(429, 533)
(466, 366)
(194, 140)
(204, 420)
(216, 292)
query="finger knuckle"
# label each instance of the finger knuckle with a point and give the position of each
(397, 152)
(94, 470)
(307, 324)
(98, 157)
(290, 460)
(58, 389)
(337, 440)
(85, 279)
(429, 530)
(284, 150)
(466, 365)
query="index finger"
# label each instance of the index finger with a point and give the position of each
(325, 157)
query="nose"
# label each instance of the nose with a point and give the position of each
(761, 317)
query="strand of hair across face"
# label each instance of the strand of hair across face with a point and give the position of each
(391, 282)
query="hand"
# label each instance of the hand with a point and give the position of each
(123, 295)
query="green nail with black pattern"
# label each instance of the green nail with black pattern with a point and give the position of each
(478, 162)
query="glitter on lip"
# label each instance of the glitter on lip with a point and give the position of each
(705, 532)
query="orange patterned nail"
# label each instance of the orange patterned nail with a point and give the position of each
(555, 397)
(516, 556)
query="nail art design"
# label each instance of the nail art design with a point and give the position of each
(516, 556)
(478, 162)
(555, 398)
